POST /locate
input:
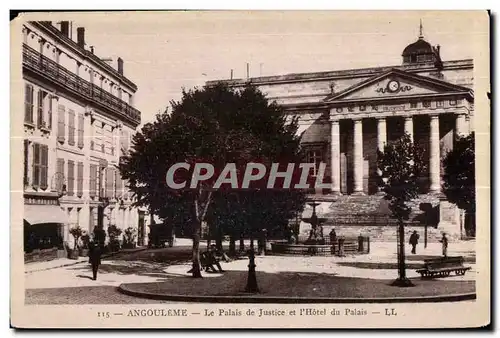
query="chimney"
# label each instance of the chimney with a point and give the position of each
(80, 37)
(120, 66)
(65, 28)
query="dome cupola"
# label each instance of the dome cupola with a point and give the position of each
(421, 51)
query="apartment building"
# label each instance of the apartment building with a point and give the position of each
(79, 118)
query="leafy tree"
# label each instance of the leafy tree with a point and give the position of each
(400, 165)
(214, 124)
(459, 184)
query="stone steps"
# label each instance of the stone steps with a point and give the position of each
(370, 216)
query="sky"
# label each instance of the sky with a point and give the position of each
(165, 51)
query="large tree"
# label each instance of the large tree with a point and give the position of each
(400, 164)
(459, 178)
(217, 125)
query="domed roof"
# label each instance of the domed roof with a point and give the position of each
(418, 47)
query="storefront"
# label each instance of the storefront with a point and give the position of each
(44, 232)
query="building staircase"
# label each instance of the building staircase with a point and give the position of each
(369, 215)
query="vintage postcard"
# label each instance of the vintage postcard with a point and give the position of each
(250, 169)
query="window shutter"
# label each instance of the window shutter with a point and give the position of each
(39, 109)
(61, 123)
(92, 181)
(79, 183)
(60, 174)
(49, 112)
(44, 154)
(71, 177)
(28, 103)
(36, 164)
(26, 153)
(80, 130)
(71, 126)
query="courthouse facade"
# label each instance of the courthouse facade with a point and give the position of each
(346, 115)
(79, 118)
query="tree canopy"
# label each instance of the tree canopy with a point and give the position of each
(218, 125)
(401, 164)
(459, 179)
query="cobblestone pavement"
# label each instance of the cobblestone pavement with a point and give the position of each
(82, 295)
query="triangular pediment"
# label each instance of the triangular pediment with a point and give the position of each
(396, 83)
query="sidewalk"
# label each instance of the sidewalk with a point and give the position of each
(63, 262)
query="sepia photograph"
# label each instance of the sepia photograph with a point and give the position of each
(258, 169)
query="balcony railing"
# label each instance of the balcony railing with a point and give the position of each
(64, 77)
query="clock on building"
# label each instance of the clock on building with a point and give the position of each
(393, 86)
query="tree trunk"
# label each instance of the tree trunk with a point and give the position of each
(402, 267)
(425, 235)
(218, 238)
(401, 281)
(232, 245)
(252, 277)
(242, 243)
(196, 269)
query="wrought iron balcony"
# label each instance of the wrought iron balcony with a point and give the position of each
(60, 75)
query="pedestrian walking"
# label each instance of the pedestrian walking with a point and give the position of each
(95, 253)
(414, 241)
(444, 242)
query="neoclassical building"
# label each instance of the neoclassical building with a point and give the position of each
(346, 115)
(79, 117)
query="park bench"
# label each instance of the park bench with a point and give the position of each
(443, 266)
(207, 262)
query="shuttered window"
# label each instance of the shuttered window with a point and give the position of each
(26, 164)
(28, 103)
(40, 164)
(71, 178)
(49, 112)
(44, 154)
(80, 130)
(39, 109)
(60, 174)
(71, 127)
(36, 164)
(61, 123)
(79, 180)
(93, 180)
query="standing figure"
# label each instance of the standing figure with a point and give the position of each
(333, 236)
(94, 258)
(414, 241)
(444, 241)
(333, 239)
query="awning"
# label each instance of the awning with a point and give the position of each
(36, 214)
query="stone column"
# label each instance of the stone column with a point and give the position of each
(358, 157)
(335, 157)
(461, 125)
(381, 133)
(434, 159)
(381, 141)
(408, 126)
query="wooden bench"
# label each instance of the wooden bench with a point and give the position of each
(443, 267)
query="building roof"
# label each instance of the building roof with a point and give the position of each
(418, 47)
